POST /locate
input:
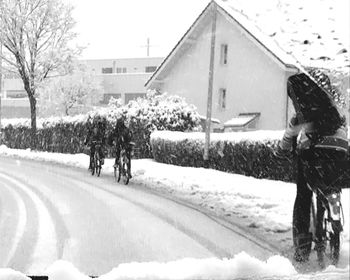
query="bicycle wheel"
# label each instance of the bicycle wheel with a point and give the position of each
(334, 219)
(334, 242)
(116, 172)
(125, 173)
(120, 169)
(97, 164)
(321, 233)
(98, 168)
(93, 167)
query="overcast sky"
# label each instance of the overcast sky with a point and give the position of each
(120, 28)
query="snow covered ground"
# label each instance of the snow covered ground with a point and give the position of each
(241, 266)
(265, 204)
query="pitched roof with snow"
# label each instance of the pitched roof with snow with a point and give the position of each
(315, 32)
(308, 33)
(256, 33)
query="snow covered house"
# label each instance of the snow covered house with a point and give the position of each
(245, 68)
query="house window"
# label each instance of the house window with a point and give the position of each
(121, 69)
(150, 69)
(11, 76)
(223, 54)
(222, 98)
(16, 94)
(108, 96)
(107, 70)
(133, 96)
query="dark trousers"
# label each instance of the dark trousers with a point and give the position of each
(302, 204)
(301, 216)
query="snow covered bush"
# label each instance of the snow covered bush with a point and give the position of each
(246, 153)
(144, 115)
(155, 112)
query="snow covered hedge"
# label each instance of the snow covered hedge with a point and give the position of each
(246, 153)
(67, 135)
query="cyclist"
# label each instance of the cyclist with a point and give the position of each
(121, 136)
(95, 136)
(321, 154)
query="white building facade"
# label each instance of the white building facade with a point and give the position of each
(119, 78)
(122, 78)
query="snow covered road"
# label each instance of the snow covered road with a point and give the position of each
(50, 212)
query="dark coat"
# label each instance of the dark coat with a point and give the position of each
(121, 136)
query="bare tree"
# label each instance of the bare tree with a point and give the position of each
(35, 37)
(78, 90)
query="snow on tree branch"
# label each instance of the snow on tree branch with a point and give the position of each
(36, 37)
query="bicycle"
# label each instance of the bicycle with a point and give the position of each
(326, 221)
(326, 215)
(326, 225)
(96, 163)
(121, 170)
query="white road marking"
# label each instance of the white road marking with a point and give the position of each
(21, 224)
(45, 252)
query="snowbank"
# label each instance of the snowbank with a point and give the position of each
(10, 274)
(254, 136)
(241, 266)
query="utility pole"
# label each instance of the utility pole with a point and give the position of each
(348, 108)
(1, 38)
(147, 46)
(210, 87)
(0, 62)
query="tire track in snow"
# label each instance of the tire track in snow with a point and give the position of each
(19, 228)
(55, 208)
(23, 250)
(46, 194)
(45, 251)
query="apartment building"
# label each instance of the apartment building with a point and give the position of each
(123, 78)
(119, 78)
